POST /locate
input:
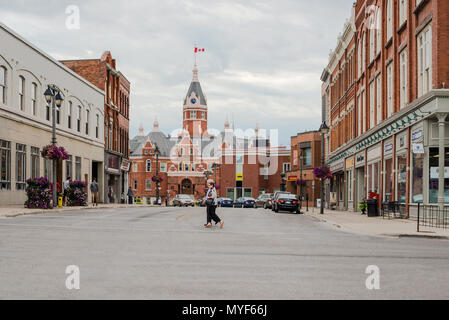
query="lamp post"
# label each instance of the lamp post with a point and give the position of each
(282, 181)
(215, 166)
(53, 96)
(324, 129)
(157, 152)
(301, 160)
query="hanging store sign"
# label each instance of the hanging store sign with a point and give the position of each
(416, 134)
(388, 147)
(418, 148)
(350, 163)
(125, 165)
(239, 177)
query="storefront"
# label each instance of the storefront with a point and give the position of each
(337, 186)
(359, 175)
(112, 178)
(349, 168)
(388, 171)
(373, 170)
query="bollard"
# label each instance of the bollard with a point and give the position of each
(417, 225)
(60, 201)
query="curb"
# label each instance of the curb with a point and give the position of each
(13, 215)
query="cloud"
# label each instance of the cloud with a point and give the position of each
(262, 62)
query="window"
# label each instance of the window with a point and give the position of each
(2, 85)
(21, 93)
(78, 120)
(403, 79)
(20, 166)
(425, 61)
(58, 115)
(203, 115)
(68, 167)
(434, 175)
(417, 178)
(180, 166)
(192, 167)
(359, 60)
(69, 115)
(359, 115)
(401, 177)
(286, 167)
(87, 122)
(48, 169)
(379, 31)
(148, 185)
(34, 98)
(363, 52)
(148, 166)
(193, 114)
(388, 179)
(372, 51)
(163, 167)
(78, 168)
(307, 157)
(389, 19)
(371, 104)
(191, 151)
(97, 126)
(35, 162)
(247, 192)
(135, 166)
(5, 164)
(379, 98)
(47, 111)
(186, 167)
(389, 90)
(402, 11)
(135, 184)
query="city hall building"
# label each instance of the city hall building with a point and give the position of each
(387, 102)
(241, 166)
(26, 120)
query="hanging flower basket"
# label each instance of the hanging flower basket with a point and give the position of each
(301, 182)
(157, 179)
(54, 152)
(322, 172)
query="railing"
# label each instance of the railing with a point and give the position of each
(432, 216)
(393, 210)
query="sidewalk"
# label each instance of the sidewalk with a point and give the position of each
(355, 222)
(19, 210)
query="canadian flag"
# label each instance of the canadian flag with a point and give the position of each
(199, 50)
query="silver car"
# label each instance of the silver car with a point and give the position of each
(183, 200)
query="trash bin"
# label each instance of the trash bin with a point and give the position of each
(373, 209)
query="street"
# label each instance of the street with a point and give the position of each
(166, 253)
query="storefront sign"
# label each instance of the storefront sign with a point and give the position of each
(402, 142)
(373, 153)
(125, 165)
(360, 159)
(112, 163)
(418, 148)
(388, 147)
(416, 134)
(292, 178)
(337, 166)
(349, 163)
(239, 177)
(435, 172)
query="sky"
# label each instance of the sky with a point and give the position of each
(262, 62)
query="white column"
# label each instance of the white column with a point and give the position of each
(441, 152)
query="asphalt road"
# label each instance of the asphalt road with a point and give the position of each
(166, 253)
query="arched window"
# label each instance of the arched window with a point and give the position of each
(359, 59)
(2, 85)
(379, 30)
(371, 45)
(389, 19)
(363, 52)
(34, 98)
(21, 93)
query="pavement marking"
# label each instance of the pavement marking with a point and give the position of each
(186, 215)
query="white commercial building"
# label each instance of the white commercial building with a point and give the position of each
(26, 123)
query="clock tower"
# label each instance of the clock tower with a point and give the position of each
(195, 108)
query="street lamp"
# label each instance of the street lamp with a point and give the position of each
(157, 153)
(215, 166)
(53, 96)
(324, 129)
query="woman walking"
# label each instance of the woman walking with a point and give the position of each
(211, 204)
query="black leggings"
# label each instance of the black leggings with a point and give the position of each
(211, 215)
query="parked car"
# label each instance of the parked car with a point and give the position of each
(275, 196)
(261, 201)
(183, 200)
(269, 202)
(244, 202)
(288, 202)
(225, 202)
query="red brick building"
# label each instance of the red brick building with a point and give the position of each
(305, 156)
(103, 74)
(388, 104)
(240, 166)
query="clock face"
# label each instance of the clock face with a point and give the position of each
(193, 100)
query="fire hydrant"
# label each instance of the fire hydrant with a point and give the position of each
(60, 201)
